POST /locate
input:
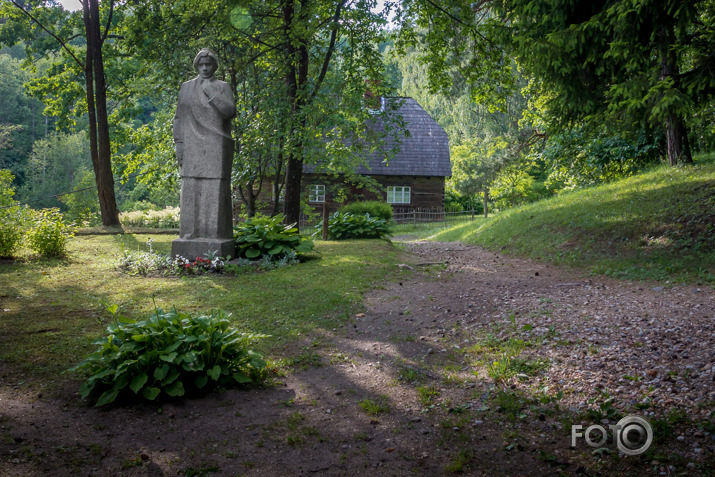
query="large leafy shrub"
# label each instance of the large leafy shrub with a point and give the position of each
(10, 235)
(375, 208)
(262, 236)
(169, 354)
(11, 217)
(347, 226)
(48, 234)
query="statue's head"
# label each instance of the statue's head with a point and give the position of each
(205, 63)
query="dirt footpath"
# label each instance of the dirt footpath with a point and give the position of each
(471, 363)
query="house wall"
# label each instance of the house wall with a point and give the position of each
(426, 192)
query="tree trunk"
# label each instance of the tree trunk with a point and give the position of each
(102, 147)
(297, 82)
(486, 208)
(294, 175)
(250, 200)
(89, 85)
(678, 145)
(675, 130)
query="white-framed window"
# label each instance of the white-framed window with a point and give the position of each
(373, 102)
(316, 193)
(398, 194)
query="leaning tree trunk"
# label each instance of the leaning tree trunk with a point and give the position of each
(97, 108)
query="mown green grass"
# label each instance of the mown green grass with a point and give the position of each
(50, 310)
(656, 225)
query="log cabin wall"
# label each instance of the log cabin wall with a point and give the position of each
(425, 193)
(420, 161)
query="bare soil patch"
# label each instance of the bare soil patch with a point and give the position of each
(405, 387)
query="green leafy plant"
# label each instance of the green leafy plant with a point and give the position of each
(10, 235)
(48, 234)
(381, 210)
(376, 407)
(262, 235)
(169, 354)
(11, 217)
(346, 226)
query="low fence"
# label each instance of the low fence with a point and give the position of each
(409, 216)
(421, 216)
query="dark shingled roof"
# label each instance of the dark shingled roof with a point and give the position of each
(424, 153)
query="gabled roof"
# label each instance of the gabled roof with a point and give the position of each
(424, 153)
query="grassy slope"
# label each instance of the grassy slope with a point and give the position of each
(50, 310)
(656, 225)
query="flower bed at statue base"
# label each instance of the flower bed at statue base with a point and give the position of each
(149, 263)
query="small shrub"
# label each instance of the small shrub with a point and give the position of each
(48, 234)
(381, 210)
(262, 235)
(346, 226)
(10, 235)
(169, 354)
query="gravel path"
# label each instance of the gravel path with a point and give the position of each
(643, 343)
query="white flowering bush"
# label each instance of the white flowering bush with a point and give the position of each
(48, 233)
(166, 218)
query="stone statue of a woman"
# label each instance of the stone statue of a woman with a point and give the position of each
(204, 149)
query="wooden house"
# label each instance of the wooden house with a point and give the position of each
(412, 179)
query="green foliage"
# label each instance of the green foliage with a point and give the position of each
(10, 217)
(346, 226)
(59, 164)
(576, 158)
(169, 354)
(21, 120)
(511, 187)
(10, 236)
(375, 208)
(268, 236)
(456, 202)
(82, 204)
(48, 233)
(7, 189)
(628, 62)
(375, 407)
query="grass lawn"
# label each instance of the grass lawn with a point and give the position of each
(50, 310)
(657, 225)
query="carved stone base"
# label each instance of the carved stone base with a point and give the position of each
(192, 248)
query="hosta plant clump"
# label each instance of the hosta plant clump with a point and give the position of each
(269, 237)
(168, 355)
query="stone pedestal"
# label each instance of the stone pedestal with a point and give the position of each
(192, 248)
